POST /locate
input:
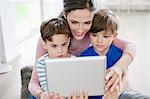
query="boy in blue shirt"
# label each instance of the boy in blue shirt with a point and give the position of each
(102, 34)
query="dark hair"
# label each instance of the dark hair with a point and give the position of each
(106, 20)
(70, 5)
(53, 27)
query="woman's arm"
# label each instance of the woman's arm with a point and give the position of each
(126, 46)
(129, 52)
(40, 51)
(34, 86)
(115, 72)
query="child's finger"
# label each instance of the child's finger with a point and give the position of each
(114, 85)
(62, 97)
(56, 96)
(74, 95)
(51, 93)
(85, 95)
(44, 95)
(69, 97)
(109, 74)
(81, 95)
(105, 94)
(107, 70)
(110, 82)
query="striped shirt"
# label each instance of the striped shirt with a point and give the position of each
(41, 71)
(40, 66)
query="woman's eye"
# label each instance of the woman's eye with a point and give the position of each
(74, 22)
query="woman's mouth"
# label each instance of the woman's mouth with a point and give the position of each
(79, 34)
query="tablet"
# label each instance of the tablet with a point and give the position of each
(67, 75)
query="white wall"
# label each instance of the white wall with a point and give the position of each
(10, 47)
(135, 27)
(149, 59)
(51, 8)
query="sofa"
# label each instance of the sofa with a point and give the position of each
(26, 75)
(25, 78)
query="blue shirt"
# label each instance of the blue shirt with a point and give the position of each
(113, 55)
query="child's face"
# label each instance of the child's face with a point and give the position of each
(101, 41)
(58, 47)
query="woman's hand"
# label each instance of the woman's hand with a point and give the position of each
(113, 78)
(82, 95)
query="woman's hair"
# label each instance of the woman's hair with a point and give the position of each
(53, 27)
(106, 20)
(70, 5)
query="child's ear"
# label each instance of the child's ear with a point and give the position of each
(43, 44)
(115, 34)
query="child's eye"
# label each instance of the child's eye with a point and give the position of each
(94, 35)
(106, 36)
(88, 22)
(53, 46)
(65, 44)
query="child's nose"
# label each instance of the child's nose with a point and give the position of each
(60, 49)
(100, 39)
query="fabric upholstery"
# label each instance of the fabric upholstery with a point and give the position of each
(25, 78)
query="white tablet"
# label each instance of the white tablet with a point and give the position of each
(67, 75)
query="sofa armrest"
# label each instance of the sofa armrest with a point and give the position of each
(25, 78)
(132, 94)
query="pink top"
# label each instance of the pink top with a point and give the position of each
(126, 46)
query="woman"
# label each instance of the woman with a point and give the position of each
(79, 15)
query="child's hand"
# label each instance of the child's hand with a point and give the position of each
(54, 96)
(51, 95)
(44, 95)
(113, 77)
(112, 95)
(82, 95)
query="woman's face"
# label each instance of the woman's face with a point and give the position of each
(80, 22)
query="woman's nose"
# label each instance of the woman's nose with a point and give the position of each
(80, 28)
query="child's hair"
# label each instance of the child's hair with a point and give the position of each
(53, 27)
(104, 20)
